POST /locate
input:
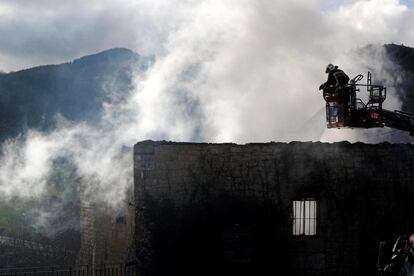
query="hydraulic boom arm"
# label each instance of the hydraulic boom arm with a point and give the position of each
(399, 120)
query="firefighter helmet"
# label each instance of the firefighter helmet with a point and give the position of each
(330, 67)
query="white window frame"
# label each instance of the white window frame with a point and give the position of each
(305, 217)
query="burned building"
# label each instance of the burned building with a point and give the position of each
(259, 209)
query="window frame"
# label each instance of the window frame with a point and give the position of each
(316, 217)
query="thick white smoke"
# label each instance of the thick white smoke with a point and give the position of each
(252, 68)
(226, 71)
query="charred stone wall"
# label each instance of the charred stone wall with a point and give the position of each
(226, 209)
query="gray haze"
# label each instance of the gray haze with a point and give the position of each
(225, 71)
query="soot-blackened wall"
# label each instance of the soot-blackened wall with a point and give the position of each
(226, 209)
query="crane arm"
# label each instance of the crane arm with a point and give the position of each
(398, 120)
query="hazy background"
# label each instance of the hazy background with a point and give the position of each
(252, 68)
(224, 71)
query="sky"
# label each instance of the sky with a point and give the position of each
(408, 3)
(48, 31)
(226, 71)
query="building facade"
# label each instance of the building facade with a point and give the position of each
(260, 209)
(106, 233)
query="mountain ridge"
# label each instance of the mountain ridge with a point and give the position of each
(102, 53)
(31, 98)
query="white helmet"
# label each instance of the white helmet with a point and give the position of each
(330, 67)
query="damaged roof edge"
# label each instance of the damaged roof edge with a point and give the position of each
(341, 143)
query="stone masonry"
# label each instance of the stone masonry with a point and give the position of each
(226, 209)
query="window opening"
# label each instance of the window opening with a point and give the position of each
(304, 213)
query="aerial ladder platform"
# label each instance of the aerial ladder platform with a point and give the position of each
(345, 110)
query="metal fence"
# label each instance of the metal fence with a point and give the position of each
(81, 270)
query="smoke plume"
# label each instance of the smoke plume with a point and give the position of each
(225, 71)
